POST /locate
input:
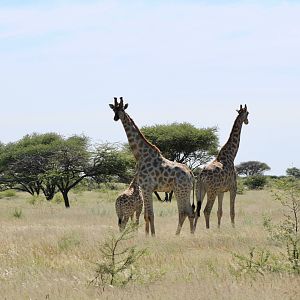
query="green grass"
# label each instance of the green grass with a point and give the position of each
(50, 252)
(7, 194)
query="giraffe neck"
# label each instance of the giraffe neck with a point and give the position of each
(134, 185)
(137, 142)
(229, 150)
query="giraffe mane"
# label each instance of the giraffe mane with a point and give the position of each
(142, 136)
(230, 137)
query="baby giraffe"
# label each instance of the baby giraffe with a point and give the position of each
(128, 203)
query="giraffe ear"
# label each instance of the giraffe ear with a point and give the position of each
(125, 106)
(111, 106)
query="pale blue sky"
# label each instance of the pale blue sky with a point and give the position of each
(62, 62)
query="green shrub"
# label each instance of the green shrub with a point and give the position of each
(256, 182)
(33, 200)
(118, 261)
(58, 198)
(257, 262)
(240, 187)
(286, 234)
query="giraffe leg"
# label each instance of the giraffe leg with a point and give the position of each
(170, 196)
(146, 222)
(181, 218)
(152, 227)
(137, 216)
(149, 214)
(211, 197)
(166, 197)
(184, 207)
(220, 210)
(124, 222)
(120, 220)
(191, 219)
(232, 205)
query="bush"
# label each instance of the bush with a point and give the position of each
(257, 262)
(58, 198)
(256, 182)
(240, 187)
(118, 261)
(33, 200)
(286, 234)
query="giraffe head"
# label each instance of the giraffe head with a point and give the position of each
(243, 114)
(118, 108)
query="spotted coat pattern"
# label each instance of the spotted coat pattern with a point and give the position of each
(220, 176)
(156, 173)
(128, 203)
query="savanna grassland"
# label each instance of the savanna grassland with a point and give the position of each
(50, 252)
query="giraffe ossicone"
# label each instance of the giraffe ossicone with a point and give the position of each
(155, 172)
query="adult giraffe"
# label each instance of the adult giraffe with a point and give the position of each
(219, 176)
(155, 172)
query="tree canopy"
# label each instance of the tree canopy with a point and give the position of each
(293, 172)
(49, 163)
(22, 163)
(251, 168)
(184, 142)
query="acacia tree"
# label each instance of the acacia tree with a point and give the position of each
(24, 162)
(252, 168)
(112, 161)
(68, 164)
(51, 163)
(184, 142)
(74, 160)
(293, 172)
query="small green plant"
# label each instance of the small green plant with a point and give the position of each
(118, 261)
(287, 232)
(17, 213)
(257, 262)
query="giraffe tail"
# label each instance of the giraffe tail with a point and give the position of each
(199, 191)
(193, 205)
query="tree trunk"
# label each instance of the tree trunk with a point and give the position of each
(66, 199)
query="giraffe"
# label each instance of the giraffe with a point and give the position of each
(219, 176)
(155, 172)
(128, 203)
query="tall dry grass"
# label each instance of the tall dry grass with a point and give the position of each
(50, 252)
